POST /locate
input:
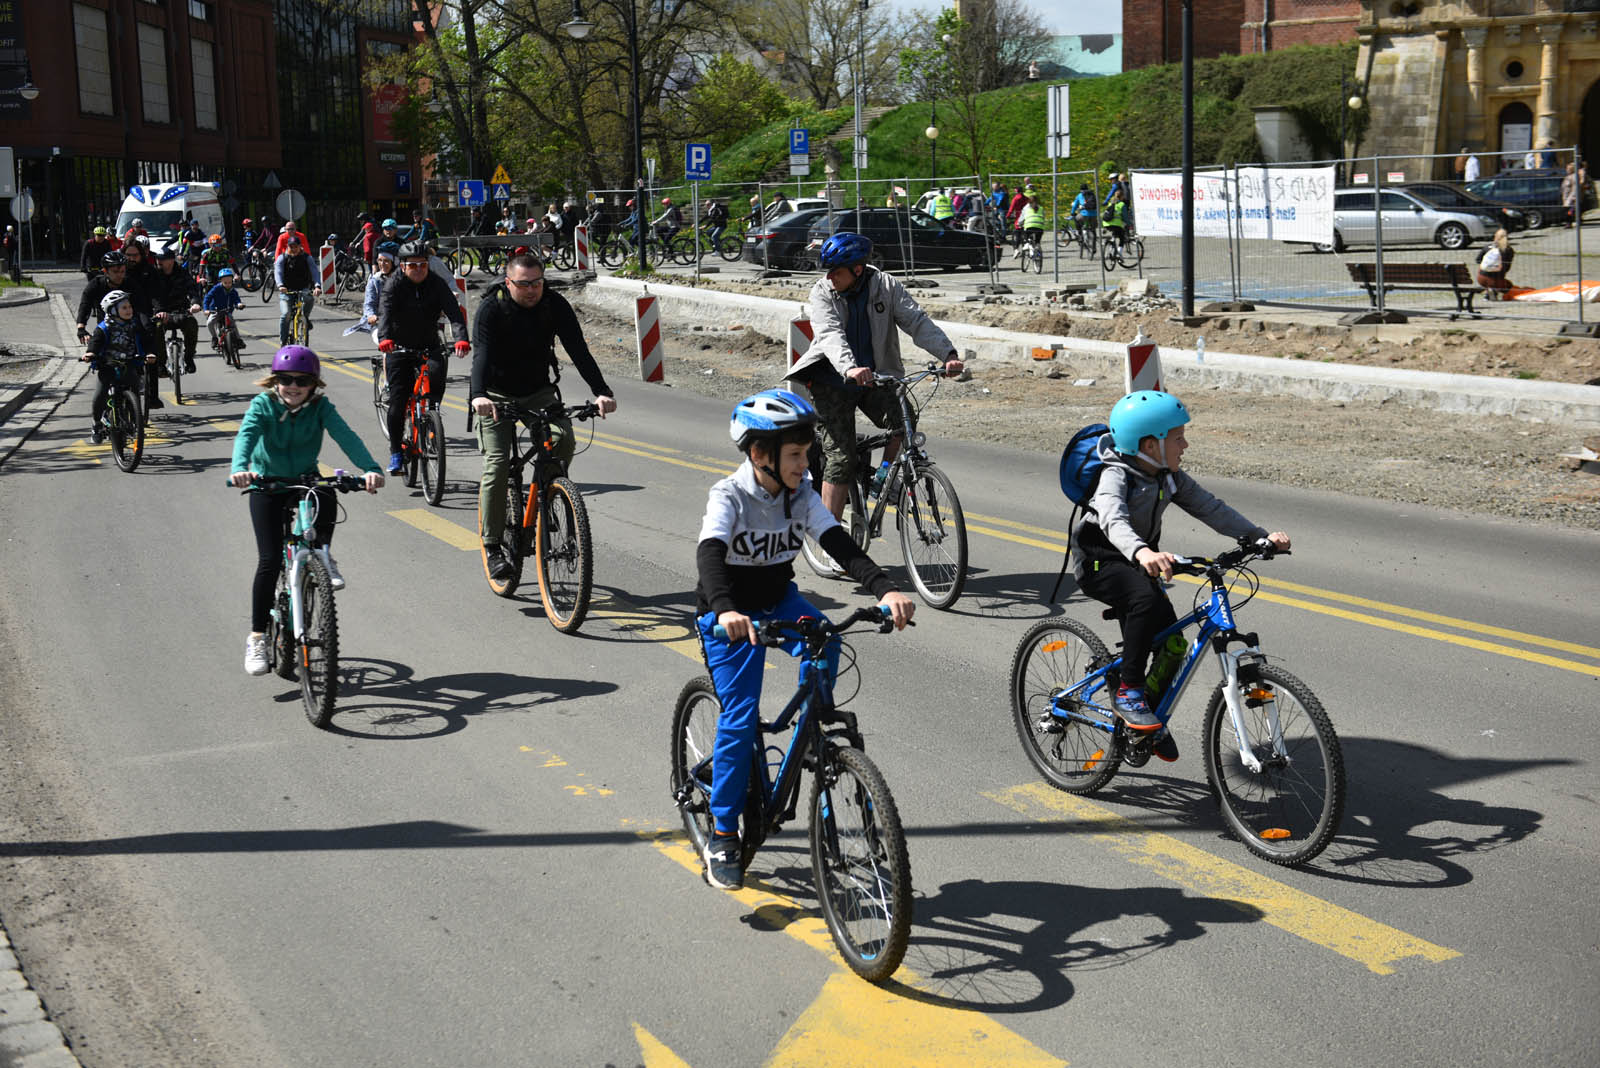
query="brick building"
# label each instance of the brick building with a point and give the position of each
(141, 91)
(1152, 30)
(1273, 24)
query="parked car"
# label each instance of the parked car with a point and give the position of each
(782, 241)
(1407, 220)
(1452, 195)
(901, 239)
(1536, 192)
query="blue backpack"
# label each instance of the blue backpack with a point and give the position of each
(1080, 473)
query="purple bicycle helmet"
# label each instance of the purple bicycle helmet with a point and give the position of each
(297, 359)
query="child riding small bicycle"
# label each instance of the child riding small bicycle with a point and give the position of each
(755, 522)
(1115, 547)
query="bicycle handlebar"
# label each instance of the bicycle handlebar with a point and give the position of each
(771, 632)
(580, 412)
(935, 368)
(338, 480)
(1249, 549)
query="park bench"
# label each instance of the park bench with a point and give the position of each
(1447, 277)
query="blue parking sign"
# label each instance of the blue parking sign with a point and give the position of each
(402, 181)
(799, 142)
(697, 162)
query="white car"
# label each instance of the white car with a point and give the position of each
(1407, 220)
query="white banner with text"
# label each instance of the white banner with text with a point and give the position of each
(1262, 203)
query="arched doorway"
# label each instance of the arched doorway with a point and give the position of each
(1589, 123)
(1516, 131)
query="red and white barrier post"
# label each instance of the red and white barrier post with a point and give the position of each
(801, 334)
(647, 326)
(325, 261)
(580, 247)
(1143, 369)
(461, 292)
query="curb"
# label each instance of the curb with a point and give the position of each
(1462, 394)
(36, 296)
(49, 388)
(27, 1035)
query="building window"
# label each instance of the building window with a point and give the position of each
(205, 83)
(94, 60)
(153, 74)
(200, 9)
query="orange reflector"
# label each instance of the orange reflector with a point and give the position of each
(1052, 647)
(1260, 693)
(1088, 765)
(1274, 833)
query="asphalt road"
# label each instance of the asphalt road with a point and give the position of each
(479, 864)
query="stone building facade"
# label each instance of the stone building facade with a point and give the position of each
(1499, 76)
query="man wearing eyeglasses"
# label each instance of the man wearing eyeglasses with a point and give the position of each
(514, 360)
(408, 317)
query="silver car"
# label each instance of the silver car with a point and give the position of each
(1407, 220)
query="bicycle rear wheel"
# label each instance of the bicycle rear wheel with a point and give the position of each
(933, 536)
(1078, 753)
(694, 736)
(508, 544)
(730, 248)
(612, 253)
(127, 429)
(860, 863)
(1132, 253)
(564, 257)
(318, 646)
(433, 443)
(855, 524)
(1287, 812)
(175, 365)
(566, 555)
(380, 396)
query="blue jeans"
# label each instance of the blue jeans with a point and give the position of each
(286, 302)
(736, 671)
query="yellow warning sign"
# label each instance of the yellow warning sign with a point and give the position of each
(500, 176)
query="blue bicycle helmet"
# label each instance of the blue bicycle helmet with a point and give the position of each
(769, 413)
(1144, 414)
(844, 250)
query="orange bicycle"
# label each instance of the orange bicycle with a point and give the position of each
(551, 523)
(422, 443)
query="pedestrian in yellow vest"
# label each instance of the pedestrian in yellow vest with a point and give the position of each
(942, 206)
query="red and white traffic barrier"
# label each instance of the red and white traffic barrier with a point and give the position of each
(1143, 368)
(801, 334)
(580, 247)
(647, 325)
(461, 292)
(325, 262)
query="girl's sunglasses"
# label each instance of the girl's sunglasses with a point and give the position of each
(303, 381)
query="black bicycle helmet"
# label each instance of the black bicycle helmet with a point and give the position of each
(113, 258)
(413, 250)
(845, 250)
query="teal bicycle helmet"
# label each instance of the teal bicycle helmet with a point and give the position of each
(1146, 413)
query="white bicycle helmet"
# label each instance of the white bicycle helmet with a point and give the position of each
(768, 414)
(109, 302)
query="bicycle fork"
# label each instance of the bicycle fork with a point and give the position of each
(1241, 668)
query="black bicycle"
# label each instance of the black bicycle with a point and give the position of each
(858, 848)
(172, 326)
(547, 520)
(124, 418)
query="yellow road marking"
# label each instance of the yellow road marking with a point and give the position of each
(856, 1023)
(654, 1053)
(225, 424)
(430, 522)
(1350, 934)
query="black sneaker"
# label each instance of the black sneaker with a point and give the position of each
(1165, 748)
(98, 433)
(188, 365)
(153, 403)
(722, 862)
(500, 568)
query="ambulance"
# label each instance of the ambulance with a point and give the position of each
(162, 207)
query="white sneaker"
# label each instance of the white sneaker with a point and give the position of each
(255, 655)
(333, 574)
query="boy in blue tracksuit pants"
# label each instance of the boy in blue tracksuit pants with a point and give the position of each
(756, 520)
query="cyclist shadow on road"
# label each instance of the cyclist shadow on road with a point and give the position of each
(1396, 788)
(383, 700)
(991, 595)
(618, 616)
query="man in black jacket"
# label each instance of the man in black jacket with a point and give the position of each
(408, 315)
(113, 275)
(515, 361)
(175, 298)
(94, 252)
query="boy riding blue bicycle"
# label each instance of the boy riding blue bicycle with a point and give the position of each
(1116, 551)
(755, 522)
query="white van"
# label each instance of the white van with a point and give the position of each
(161, 208)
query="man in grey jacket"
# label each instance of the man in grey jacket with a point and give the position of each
(857, 312)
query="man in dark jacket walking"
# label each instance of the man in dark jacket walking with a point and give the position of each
(408, 315)
(515, 361)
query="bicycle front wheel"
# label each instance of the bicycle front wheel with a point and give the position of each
(1108, 254)
(1288, 811)
(730, 248)
(380, 397)
(1071, 742)
(175, 367)
(566, 556)
(127, 430)
(508, 545)
(933, 536)
(1132, 253)
(1030, 262)
(860, 863)
(612, 253)
(319, 644)
(432, 433)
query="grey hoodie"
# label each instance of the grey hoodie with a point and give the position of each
(1125, 513)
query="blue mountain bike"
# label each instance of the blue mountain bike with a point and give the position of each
(1271, 756)
(858, 849)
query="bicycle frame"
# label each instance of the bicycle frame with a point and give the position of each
(903, 468)
(540, 453)
(1216, 629)
(297, 549)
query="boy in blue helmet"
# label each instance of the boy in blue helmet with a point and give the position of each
(219, 304)
(1116, 546)
(755, 522)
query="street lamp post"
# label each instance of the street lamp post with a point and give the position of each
(933, 124)
(1348, 104)
(579, 28)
